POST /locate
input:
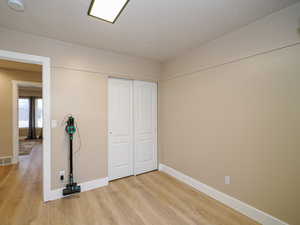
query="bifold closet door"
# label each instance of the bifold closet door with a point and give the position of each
(120, 128)
(145, 126)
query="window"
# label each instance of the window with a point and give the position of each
(39, 113)
(23, 112)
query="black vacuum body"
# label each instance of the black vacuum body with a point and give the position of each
(71, 187)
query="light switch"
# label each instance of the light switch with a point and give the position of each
(227, 179)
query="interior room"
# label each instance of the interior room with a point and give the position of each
(143, 112)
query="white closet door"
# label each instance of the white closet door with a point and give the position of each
(120, 128)
(145, 126)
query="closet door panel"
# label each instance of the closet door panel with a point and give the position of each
(120, 127)
(145, 126)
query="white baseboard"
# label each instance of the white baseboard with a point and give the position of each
(85, 186)
(15, 160)
(234, 203)
(6, 160)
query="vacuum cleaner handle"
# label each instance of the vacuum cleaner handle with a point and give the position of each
(70, 129)
(72, 187)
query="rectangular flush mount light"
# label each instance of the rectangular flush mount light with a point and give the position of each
(107, 10)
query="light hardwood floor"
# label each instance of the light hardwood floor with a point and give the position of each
(149, 199)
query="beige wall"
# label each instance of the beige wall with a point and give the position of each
(239, 118)
(274, 31)
(29, 92)
(6, 76)
(85, 96)
(76, 57)
(79, 86)
(13, 65)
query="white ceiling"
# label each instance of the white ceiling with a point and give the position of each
(155, 29)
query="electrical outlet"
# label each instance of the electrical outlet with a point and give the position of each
(227, 179)
(62, 175)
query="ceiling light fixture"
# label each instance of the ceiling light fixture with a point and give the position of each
(107, 10)
(17, 5)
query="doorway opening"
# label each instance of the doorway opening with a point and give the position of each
(29, 120)
(21, 119)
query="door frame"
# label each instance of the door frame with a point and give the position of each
(46, 77)
(15, 112)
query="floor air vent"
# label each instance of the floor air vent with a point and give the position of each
(5, 161)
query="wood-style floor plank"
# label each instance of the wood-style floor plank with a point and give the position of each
(148, 199)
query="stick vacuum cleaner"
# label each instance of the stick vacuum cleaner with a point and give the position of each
(71, 187)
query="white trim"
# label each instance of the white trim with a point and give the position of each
(45, 62)
(15, 131)
(85, 186)
(6, 157)
(234, 203)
